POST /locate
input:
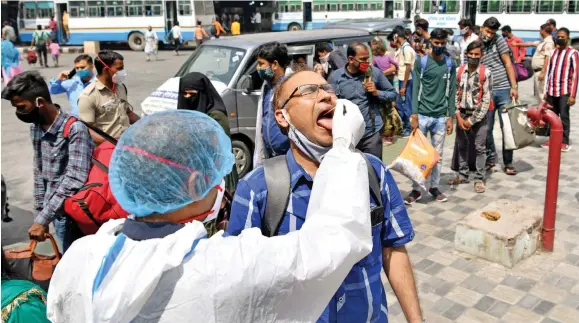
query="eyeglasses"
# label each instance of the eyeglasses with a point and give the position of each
(309, 91)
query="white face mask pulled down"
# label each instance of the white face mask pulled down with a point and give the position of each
(313, 151)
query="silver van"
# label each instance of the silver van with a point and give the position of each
(230, 63)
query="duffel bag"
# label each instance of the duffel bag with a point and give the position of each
(94, 203)
(517, 130)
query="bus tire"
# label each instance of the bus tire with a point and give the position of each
(294, 26)
(137, 41)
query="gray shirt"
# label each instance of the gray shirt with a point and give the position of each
(492, 60)
(351, 87)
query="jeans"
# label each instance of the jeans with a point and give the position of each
(436, 126)
(42, 51)
(500, 98)
(405, 107)
(371, 145)
(476, 136)
(67, 231)
(561, 108)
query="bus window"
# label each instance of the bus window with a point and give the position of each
(573, 6)
(520, 6)
(554, 6)
(153, 8)
(30, 10)
(490, 6)
(428, 6)
(45, 9)
(362, 7)
(114, 8)
(77, 8)
(185, 8)
(96, 8)
(449, 6)
(333, 7)
(134, 8)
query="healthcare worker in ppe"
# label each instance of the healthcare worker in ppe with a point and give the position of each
(158, 265)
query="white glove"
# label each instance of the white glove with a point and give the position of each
(348, 125)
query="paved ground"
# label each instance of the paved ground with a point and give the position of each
(453, 286)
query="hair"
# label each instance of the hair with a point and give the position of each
(176, 23)
(108, 57)
(565, 30)
(465, 23)
(353, 48)
(274, 51)
(277, 102)
(449, 31)
(407, 32)
(6, 23)
(38, 27)
(378, 47)
(323, 47)
(417, 33)
(84, 57)
(476, 30)
(298, 56)
(399, 31)
(421, 23)
(552, 22)
(390, 37)
(492, 23)
(217, 19)
(438, 33)
(507, 29)
(28, 85)
(474, 45)
(198, 22)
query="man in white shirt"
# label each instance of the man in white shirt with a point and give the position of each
(177, 37)
(466, 37)
(405, 56)
(257, 22)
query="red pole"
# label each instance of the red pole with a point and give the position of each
(537, 115)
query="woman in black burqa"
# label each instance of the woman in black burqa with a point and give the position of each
(197, 93)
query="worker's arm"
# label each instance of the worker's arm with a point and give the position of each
(525, 44)
(506, 58)
(398, 269)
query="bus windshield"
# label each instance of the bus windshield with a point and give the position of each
(218, 63)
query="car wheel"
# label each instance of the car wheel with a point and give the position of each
(137, 41)
(243, 157)
(294, 26)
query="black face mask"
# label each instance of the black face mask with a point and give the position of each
(33, 116)
(192, 102)
(562, 42)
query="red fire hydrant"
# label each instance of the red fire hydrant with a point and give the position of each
(539, 116)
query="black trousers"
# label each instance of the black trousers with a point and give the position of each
(42, 51)
(561, 108)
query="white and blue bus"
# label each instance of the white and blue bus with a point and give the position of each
(114, 21)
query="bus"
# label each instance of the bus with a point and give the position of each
(524, 16)
(114, 21)
(289, 15)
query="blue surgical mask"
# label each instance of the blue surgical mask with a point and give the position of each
(314, 151)
(438, 50)
(83, 74)
(266, 74)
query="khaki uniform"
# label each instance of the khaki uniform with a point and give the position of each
(106, 109)
(544, 49)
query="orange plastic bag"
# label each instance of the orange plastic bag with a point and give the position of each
(417, 158)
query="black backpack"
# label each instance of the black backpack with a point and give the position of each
(277, 179)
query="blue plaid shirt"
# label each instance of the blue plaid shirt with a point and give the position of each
(361, 297)
(61, 165)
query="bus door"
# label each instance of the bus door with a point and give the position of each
(389, 9)
(307, 12)
(408, 8)
(170, 17)
(59, 11)
(469, 11)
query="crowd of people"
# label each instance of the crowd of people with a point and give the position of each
(171, 171)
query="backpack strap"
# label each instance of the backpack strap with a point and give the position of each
(481, 71)
(66, 134)
(448, 69)
(375, 190)
(277, 179)
(67, 125)
(423, 63)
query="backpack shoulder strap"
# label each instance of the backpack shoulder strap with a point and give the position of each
(481, 71)
(67, 125)
(375, 191)
(460, 72)
(448, 69)
(277, 179)
(423, 63)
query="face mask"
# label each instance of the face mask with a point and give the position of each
(214, 212)
(393, 45)
(32, 116)
(463, 31)
(561, 42)
(438, 50)
(363, 67)
(83, 74)
(120, 77)
(265, 74)
(314, 151)
(191, 102)
(473, 61)
(324, 59)
(486, 39)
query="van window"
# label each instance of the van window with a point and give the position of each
(256, 81)
(218, 63)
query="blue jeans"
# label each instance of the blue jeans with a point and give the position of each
(436, 126)
(405, 107)
(500, 98)
(67, 231)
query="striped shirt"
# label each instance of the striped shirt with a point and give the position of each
(492, 60)
(361, 297)
(61, 165)
(562, 73)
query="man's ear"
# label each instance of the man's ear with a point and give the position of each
(282, 123)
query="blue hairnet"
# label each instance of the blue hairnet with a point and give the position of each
(168, 160)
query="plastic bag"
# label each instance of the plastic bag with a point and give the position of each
(11, 73)
(417, 159)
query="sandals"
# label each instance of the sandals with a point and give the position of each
(457, 181)
(479, 187)
(510, 170)
(490, 166)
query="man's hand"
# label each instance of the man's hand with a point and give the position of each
(37, 232)
(63, 76)
(414, 121)
(348, 124)
(467, 124)
(371, 87)
(514, 94)
(449, 124)
(460, 122)
(402, 91)
(571, 101)
(542, 77)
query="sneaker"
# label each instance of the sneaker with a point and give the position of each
(565, 147)
(412, 197)
(545, 144)
(437, 195)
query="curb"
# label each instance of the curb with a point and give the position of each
(63, 50)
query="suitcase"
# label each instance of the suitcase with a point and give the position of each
(517, 130)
